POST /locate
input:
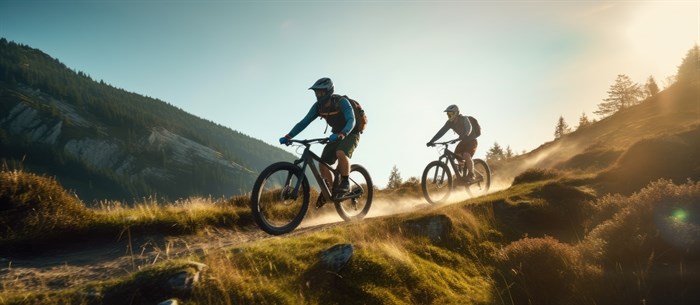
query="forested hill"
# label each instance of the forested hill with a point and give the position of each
(106, 143)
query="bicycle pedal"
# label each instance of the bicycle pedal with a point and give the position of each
(341, 196)
(321, 201)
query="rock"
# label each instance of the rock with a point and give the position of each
(435, 227)
(186, 279)
(336, 257)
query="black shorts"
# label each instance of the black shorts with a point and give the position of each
(466, 145)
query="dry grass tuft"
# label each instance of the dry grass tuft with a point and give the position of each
(545, 271)
(34, 206)
(535, 175)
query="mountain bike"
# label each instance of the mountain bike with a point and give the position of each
(438, 182)
(280, 197)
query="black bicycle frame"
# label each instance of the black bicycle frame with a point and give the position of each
(307, 158)
(451, 157)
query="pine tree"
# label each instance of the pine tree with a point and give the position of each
(495, 153)
(562, 128)
(394, 179)
(508, 153)
(622, 94)
(650, 88)
(583, 121)
(689, 70)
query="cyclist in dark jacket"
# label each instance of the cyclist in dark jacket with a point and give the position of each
(467, 145)
(340, 116)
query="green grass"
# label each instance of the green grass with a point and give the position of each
(37, 213)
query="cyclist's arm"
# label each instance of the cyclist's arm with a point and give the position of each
(349, 115)
(441, 132)
(310, 116)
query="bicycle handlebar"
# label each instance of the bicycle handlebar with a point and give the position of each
(447, 142)
(308, 142)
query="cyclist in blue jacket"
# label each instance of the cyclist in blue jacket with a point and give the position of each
(340, 116)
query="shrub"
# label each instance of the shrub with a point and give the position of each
(35, 206)
(659, 218)
(545, 271)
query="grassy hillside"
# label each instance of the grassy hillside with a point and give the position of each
(550, 241)
(668, 121)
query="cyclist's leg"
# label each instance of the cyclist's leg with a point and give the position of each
(343, 163)
(466, 149)
(328, 156)
(343, 154)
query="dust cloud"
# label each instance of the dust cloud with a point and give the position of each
(394, 205)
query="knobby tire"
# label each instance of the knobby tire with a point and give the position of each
(357, 208)
(273, 209)
(436, 182)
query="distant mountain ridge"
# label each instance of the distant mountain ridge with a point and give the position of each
(108, 144)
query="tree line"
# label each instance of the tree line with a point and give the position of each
(625, 93)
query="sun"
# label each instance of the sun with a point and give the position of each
(658, 32)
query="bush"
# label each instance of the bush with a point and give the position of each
(641, 240)
(662, 217)
(545, 271)
(36, 206)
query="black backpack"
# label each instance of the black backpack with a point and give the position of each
(360, 115)
(476, 128)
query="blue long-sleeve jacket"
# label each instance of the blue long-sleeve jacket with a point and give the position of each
(313, 113)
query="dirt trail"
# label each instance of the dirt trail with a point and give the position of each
(62, 268)
(80, 264)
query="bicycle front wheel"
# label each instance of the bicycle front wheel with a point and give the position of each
(436, 182)
(274, 205)
(482, 174)
(361, 192)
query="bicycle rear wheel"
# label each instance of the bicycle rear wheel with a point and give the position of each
(275, 209)
(361, 192)
(436, 182)
(482, 174)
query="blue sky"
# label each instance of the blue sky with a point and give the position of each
(515, 65)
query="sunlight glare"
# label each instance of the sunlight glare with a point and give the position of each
(663, 30)
(680, 215)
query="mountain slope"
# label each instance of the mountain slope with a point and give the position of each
(106, 143)
(667, 122)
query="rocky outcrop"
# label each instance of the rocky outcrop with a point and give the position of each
(155, 157)
(27, 121)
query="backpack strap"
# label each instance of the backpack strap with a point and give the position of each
(333, 109)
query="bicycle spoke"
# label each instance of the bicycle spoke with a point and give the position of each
(436, 182)
(356, 204)
(276, 208)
